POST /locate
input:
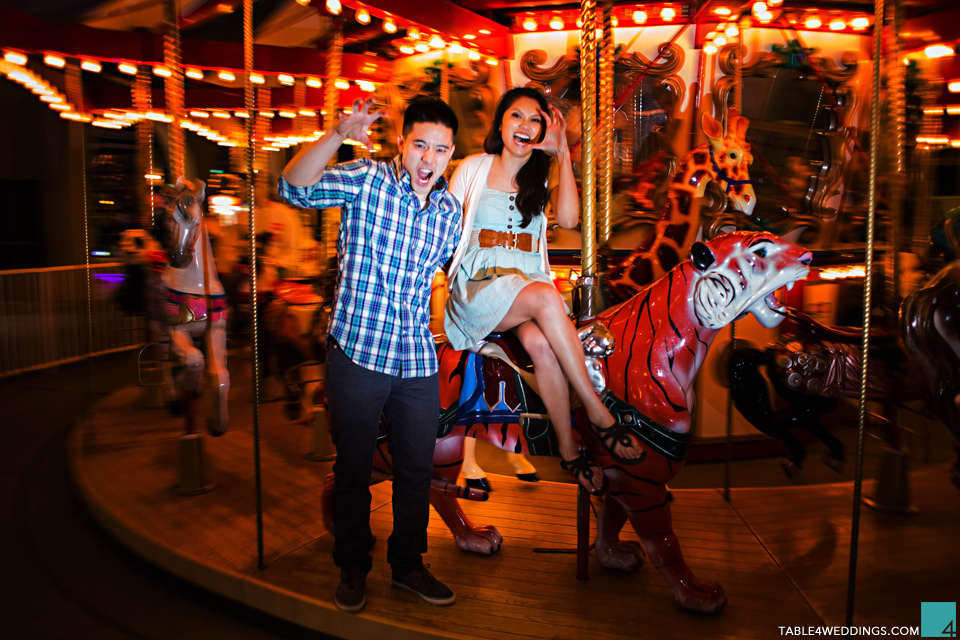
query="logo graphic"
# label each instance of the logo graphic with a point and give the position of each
(938, 619)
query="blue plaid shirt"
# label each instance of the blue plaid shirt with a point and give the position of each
(388, 251)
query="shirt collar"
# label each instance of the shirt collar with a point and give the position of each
(403, 177)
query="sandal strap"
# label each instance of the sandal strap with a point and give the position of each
(581, 465)
(617, 432)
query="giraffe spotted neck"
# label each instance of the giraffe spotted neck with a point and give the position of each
(725, 158)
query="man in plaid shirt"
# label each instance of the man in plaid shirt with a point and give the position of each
(398, 224)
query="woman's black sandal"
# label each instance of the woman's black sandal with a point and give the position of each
(613, 435)
(582, 467)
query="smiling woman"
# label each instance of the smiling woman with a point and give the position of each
(499, 278)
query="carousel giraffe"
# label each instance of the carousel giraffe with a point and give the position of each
(725, 158)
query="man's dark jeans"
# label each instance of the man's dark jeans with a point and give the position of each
(356, 397)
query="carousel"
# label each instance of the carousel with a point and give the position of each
(765, 280)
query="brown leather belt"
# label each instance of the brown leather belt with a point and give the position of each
(487, 238)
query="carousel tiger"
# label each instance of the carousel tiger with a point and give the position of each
(662, 337)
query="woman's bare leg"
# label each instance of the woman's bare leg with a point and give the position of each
(541, 303)
(553, 390)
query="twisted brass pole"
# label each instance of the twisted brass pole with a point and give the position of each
(251, 155)
(331, 94)
(897, 83)
(606, 151)
(588, 120)
(173, 85)
(867, 301)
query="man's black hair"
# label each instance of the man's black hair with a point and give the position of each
(429, 110)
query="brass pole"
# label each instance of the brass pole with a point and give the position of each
(737, 101)
(606, 151)
(331, 94)
(867, 299)
(897, 79)
(588, 96)
(249, 105)
(174, 88)
(141, 103)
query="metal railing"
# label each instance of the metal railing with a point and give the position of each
(44, 316)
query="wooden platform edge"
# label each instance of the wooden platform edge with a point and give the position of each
(250, 589)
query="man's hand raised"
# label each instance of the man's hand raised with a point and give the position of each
(355, 125)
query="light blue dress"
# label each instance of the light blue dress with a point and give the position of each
(489, 279)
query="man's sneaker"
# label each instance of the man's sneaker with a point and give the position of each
(421, 582)
(350, 592)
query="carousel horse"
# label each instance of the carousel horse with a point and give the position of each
(662, 336)
(741, 369)
(194, 304)
(811, 365)
(930, 324)
(724, 159)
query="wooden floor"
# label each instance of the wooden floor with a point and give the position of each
(781, 553)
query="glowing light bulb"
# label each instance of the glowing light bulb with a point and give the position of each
(226, 76)
(938, 51)
(668, 13)
(52, 61)
(363, 16)
(710, 48)
(389, 25)
(334, 7)
(530, 24)
(15, 58)
(639, 17)
(813, 23)
(556, 23)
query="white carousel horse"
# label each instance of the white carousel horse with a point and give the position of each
(195, 303)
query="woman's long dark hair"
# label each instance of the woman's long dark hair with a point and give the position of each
(532, 191)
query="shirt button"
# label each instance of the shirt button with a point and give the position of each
(509, 219)
(509, 226)
(511, 198)
(511, 207)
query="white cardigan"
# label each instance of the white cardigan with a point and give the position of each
(467, 183)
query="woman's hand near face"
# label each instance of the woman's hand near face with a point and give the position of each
(555, 139)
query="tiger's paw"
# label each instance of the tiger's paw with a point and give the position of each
(483, 539)
(703, 597)
(622, 556)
